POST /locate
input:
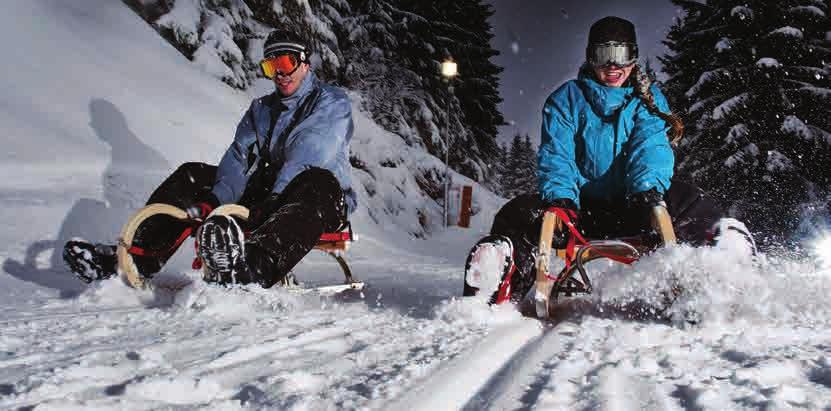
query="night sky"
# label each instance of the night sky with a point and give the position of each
(542, 44)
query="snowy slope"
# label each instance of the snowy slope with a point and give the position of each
(98, 109)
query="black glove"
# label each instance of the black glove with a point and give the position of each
(640, 207)
(560, 239)
(203, 206)
(644, 199)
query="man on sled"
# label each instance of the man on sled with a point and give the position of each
(605, 163)
(288, 164)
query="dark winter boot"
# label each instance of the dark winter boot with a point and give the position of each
(488, 266)
(222, 250)
(90, 262)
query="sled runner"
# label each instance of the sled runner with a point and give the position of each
(573, 277)
(334, 244)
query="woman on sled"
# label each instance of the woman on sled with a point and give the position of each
(605, 161)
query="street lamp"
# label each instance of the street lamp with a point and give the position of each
(449, 69)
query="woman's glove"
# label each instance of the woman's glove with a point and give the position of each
(640, 206)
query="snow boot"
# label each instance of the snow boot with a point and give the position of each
(732, 235)
(488, 265)
(90, 262)
(222, 250)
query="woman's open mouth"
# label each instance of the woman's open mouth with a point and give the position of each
(613, 76)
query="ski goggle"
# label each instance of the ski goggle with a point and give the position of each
(612, 53)
(284, 64)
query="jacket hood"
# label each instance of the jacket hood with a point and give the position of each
(604, 100)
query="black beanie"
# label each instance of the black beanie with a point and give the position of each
(284, 40)
(612, 28)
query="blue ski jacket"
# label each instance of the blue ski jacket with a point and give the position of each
(321, 139)
(602, 143)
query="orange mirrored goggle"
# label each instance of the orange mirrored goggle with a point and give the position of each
(283, 64)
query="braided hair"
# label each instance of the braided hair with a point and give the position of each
(641, 86)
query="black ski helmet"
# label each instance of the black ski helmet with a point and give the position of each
(284, 40)
(612, 29)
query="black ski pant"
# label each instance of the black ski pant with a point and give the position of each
(281, 230)
(520, 219)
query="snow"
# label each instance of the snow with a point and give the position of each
(706, 78)
(724, 44)
(742, 12)
(794, 126)
(130, 108)
(787, 31)
(746, 155)
(778, 162)
(183, 19)
(736, 132)
(767, 62)
(729, 106)
(813, 11)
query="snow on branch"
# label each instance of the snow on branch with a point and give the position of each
(742, 12)
(706, 78)
(746, 156)
(794, 126)
(787, 31)
(736, 132)
(820, 134)
(813, 11)
(724, 44)
(778, 162)
(730, 106)
(768, 62)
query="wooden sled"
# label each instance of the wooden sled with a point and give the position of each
(334, 244)
(547, 287)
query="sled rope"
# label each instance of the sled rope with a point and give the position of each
(139, 251)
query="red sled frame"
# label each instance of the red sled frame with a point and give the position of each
(548, 288)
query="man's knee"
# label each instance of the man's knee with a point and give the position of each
(316, 175)
(314, 180)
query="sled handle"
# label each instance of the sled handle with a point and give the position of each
(126, 266)
(662, 224)
(231, 209)
(544, 283)
(226, 210)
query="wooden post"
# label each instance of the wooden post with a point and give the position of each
(464, 212)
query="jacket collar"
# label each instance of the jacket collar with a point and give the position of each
(603, 99)
(306, 86)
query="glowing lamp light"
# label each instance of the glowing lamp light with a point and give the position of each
(449, 68)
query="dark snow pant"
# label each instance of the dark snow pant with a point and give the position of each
(693, 216)
(280, 232)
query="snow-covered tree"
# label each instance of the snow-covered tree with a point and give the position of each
(751, 79)
(520, 176)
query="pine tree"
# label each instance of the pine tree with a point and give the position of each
(752, 79)
(520, 168)
(528, 165)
